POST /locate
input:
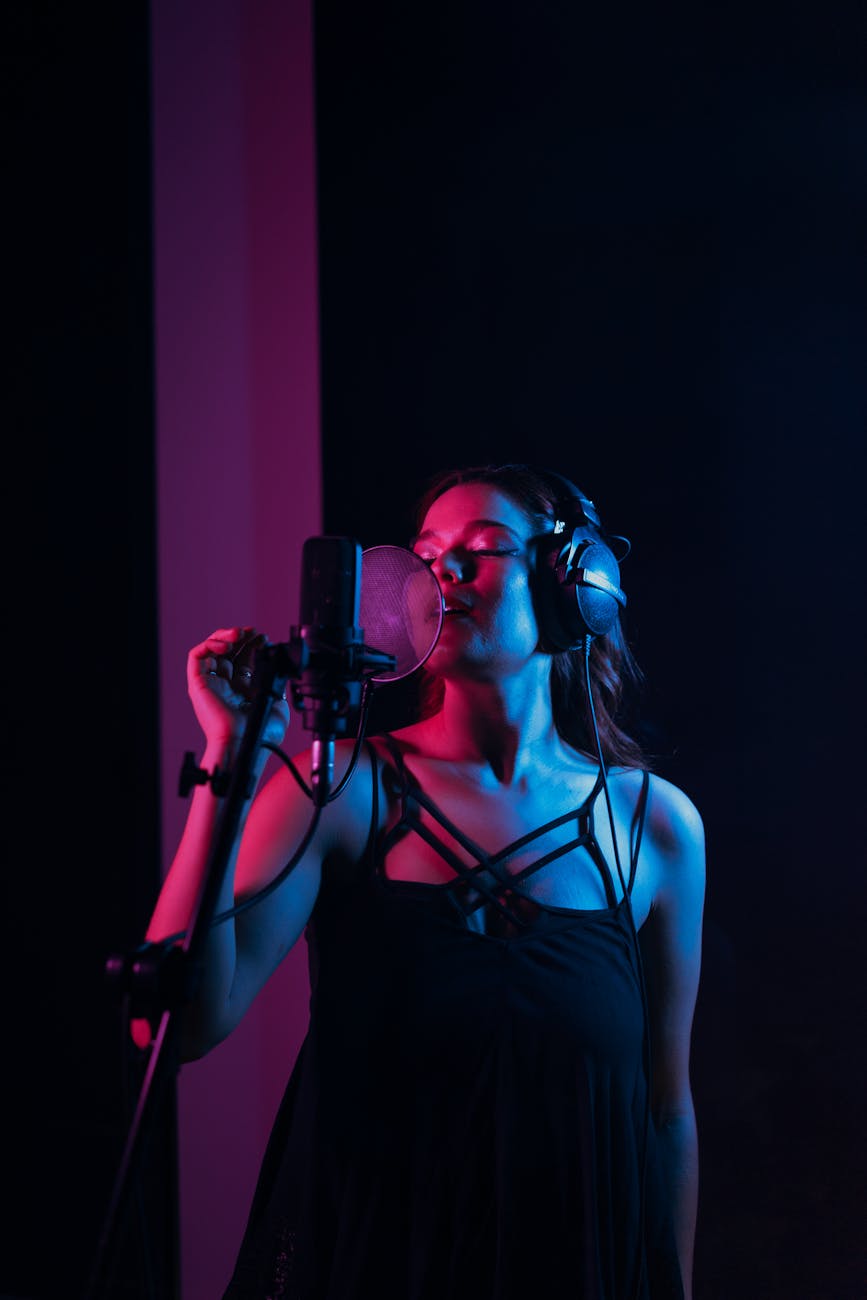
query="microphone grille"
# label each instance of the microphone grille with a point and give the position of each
(401, 608)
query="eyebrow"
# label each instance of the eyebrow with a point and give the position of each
(471, 525)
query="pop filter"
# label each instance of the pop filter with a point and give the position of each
(401, 608)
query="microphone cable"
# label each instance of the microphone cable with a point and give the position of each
(366, 694)
(172, 939)
(639, 971)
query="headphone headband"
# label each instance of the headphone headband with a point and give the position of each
(582, 576)
(573, 508)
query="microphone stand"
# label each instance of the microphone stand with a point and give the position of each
(161, 979)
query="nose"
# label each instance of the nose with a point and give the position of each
(451, 566)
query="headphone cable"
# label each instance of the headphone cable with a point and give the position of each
(638, 964)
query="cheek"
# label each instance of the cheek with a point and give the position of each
(519, 615)
(528, 628)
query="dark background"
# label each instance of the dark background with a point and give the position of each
(81, 765)
(625, 245)
(631, 247)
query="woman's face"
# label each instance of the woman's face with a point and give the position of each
(476, 541)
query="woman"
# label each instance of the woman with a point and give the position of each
(493, 1097)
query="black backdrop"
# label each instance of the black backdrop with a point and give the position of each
(81, 759)
(627, 245)
(631, 246)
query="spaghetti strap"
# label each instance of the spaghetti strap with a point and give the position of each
(401, 774)
(637, 828)
(395, 752)
(370, 846)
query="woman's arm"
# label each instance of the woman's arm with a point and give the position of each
(242, 952)
(671, 950)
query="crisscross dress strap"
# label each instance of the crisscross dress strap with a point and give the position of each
(502, 890)
(636, 831)
(409, 820)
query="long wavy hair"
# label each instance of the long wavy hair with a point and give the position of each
(614, 672)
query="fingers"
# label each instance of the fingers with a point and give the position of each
(220, 682)
(244, 655)
(227, 653)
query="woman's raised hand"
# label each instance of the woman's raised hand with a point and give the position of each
(220, 685)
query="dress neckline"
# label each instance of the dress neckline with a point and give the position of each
(468, 889)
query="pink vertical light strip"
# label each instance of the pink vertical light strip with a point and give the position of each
(239, 479)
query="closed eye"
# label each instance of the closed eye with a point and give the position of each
(431, 559)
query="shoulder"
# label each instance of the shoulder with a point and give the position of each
(673, 821)
(346, 816)
(675, 831)
(673, 828)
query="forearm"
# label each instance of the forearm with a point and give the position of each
(203, 1018)
(677, 1139)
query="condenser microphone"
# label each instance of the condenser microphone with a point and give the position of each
(328, 687)
(398, 602)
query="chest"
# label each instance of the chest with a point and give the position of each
(553, 849)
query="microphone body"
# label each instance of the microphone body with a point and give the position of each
(399, 602)
(327, 690)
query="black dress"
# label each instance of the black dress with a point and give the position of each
(467, 1118)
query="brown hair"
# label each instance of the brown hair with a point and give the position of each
(614, 672)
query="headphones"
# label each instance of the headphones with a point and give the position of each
(578, 592)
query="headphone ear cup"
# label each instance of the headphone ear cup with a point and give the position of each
(569, 609)
(595, 610)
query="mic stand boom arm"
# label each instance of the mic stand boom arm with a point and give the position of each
(161, 979)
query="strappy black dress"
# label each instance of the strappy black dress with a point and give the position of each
(467, 1118)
